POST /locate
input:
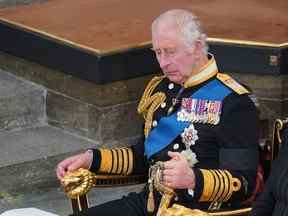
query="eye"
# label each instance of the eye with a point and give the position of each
(170, 51)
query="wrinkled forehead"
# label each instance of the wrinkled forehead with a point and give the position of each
(166, 34)
(165, 24)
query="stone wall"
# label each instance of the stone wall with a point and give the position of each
(107, 113)
(270, 92)
(9, 3)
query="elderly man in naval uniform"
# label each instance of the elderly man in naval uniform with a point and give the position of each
(199, 123)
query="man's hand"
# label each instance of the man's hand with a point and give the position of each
(177, 173)
(75, 162)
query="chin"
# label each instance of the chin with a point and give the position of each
(174, 79)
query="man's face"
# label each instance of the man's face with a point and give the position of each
(175, 59)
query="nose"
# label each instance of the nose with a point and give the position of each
(163, 61)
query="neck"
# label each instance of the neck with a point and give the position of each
(206, 69)
(199, 65)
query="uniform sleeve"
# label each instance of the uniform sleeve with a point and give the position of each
(122, 161)
(130, 160)
(237, 136)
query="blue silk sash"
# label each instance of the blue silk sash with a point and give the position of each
(169, 128)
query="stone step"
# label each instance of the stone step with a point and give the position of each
(54, 200)
(28, 157)
(13, 3)
(22, 104)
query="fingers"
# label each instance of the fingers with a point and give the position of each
(63, 166)
(177, 172)
(167, 176)
(169, 164)
(167, 180)
(78, 163)
(168, 172)
(73, 163)
(175, 158)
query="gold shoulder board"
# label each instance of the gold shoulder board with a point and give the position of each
(231, 83)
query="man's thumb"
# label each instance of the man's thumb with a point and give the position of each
(174, 155)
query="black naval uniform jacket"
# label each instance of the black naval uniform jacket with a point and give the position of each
(274, 199)
(230, 145)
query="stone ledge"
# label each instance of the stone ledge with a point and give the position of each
(88, 92)
(22, 104)
(12, 3)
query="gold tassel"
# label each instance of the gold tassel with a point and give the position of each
(150, 202)
(164, 204)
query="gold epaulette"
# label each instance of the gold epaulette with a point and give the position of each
(150, 103)
(116, 161)
(219, 185)
(231, 83)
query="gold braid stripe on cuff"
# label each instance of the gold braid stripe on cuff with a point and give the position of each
(235, 185)
(125, 161)
(116, 161)
(216, 186)
(219, 185)
(106, 160)
(226, 186)
(120, 161)
(130, 161)
(208, 185)
(221, 188)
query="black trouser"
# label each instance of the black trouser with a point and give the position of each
(134, 204)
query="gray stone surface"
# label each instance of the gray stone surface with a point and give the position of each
(119, 121)
(285, 109)
(35, 143)
(99, 95)
(285, 97)
(22, 103)
(264, 86)
(28, 158)
(109, 123)
(68, 113)
(9, 3)
(285, 87)
(53, 199)
(271, 91)
(271, 109)
(105, 113)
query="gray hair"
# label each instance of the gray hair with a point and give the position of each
(186, 23)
